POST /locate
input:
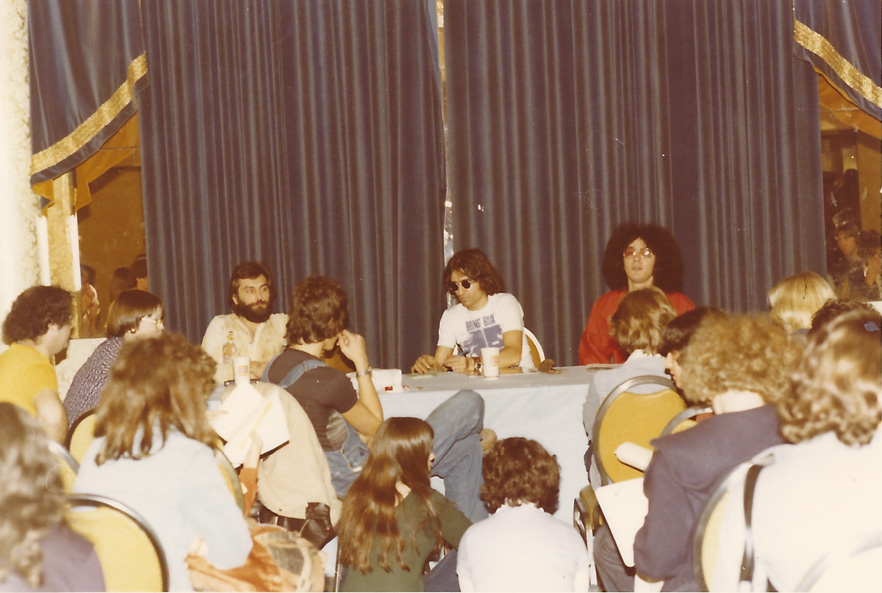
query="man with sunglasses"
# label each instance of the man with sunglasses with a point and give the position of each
(486, 317)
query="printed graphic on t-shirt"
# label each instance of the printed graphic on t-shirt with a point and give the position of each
(483, 332)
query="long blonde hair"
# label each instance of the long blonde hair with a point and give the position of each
(399, 453)
(795, 299)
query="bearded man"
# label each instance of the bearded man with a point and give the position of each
(251, 330)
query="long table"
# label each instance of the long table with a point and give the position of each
(539, 406)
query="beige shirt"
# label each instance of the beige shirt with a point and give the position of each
(269, 340)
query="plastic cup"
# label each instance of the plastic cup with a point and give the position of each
(242, 370)
(490, 362)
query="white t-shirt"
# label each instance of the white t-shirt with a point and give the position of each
(522, 548)
(473, 330)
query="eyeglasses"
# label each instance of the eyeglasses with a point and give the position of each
(453, 286)
(646, 252)
(158, 322)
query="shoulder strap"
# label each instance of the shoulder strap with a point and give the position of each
(295, 373)
(749, 558)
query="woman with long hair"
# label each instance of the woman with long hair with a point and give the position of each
(134, 315)
(393, 522)
(38, 552)
(153, 452)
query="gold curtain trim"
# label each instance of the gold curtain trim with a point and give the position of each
(821, 47)
(87, 130)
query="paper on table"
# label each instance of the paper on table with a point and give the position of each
(624, 506)
(384, 380)
(634, 455)
(243, 411)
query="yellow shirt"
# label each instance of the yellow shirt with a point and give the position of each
(24, 372)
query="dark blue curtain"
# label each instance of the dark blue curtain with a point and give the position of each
(307, 135)
(567, 118)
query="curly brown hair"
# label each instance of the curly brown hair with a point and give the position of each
(738, 353)
(518, 470)
(475, 265)
(838, 384)
(640, 319)
(160, 383)
(400, 451)
(31, 495)
(34, 310)
(318, 309)
(668, 270)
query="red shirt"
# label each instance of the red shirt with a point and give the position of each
(596, 345)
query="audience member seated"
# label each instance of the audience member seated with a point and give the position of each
(677, 334)
(122, 279)
(521, 547)
(252, 329)
(485, 317)
(825, 489)
(343, 419)
(846, 259)
(864, 283)
(90, 306)
(833, 309)
(637, 327)
(797, 298)
(636, 256)
(153, 452)
(738, 365)
(134, 315)
(37, 328)
(38, 552)
(393, 522)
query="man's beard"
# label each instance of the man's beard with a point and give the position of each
(251, 313)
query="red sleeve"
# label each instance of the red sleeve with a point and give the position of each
(596, 345)
(680, 302)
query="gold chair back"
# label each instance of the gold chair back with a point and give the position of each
(131, 556)
(81, 435)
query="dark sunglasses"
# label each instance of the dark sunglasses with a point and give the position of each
(465, 283)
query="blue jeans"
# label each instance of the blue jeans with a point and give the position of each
(457, 423)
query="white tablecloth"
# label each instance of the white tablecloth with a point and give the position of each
(546, 408)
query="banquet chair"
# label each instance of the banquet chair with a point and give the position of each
(536, 350)
(626, 416)
(685, 419)
(231, 477)
(131, 556)
(67, 465)
(853, 566)
(81, 435)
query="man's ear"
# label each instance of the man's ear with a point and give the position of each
(235, 299)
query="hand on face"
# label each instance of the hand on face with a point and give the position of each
(353, 347)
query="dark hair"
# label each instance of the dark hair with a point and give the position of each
(869, 242)
(122, 279)
(318, 309)
(520, 470)
(640, 319)
(400, 451)
(31, 494)
(127, 310)
(679, 330)
(833, 309)
(849, 229)
(474, 264)
(88, 272)
(155, 385)
(668, 270)
(34, 310)
(838, 384)
(248, 270)
(139, 266)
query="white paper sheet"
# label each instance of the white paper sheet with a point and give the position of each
(624, 506)
(243, 411)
